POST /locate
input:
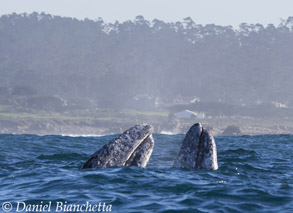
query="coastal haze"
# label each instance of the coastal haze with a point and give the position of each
(63, 73)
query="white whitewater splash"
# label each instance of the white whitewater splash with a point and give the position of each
(75, 135)
(168, 133)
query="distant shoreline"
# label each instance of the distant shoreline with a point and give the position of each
(78, 128)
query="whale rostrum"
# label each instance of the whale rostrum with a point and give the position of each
(198, 150)
(132, 148)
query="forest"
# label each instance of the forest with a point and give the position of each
(144, 64)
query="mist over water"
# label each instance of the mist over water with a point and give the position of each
(255, 175)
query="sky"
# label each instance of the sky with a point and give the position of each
(221, 12)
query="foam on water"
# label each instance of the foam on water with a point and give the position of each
(75, 135)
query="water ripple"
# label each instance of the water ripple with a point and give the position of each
(255, 175)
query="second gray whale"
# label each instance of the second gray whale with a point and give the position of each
(198, 150)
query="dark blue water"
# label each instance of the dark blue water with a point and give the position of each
(255, 175)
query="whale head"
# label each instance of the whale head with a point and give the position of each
(198, 150)
(132, 148)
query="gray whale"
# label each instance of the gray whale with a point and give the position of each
(135, 146)
(198, 150)
(132, 148)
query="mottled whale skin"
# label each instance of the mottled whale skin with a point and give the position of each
(132, 148)
(198, 150)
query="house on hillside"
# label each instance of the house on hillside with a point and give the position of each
(185, 100)
(144, 101)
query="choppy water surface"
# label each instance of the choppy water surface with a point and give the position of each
(255, 175)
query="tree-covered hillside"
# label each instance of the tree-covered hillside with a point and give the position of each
(111, 64)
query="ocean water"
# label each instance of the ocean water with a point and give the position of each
(44, 172)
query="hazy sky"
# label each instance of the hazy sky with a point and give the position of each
(223, 12)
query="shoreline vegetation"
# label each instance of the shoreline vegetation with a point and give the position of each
(104, 122)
